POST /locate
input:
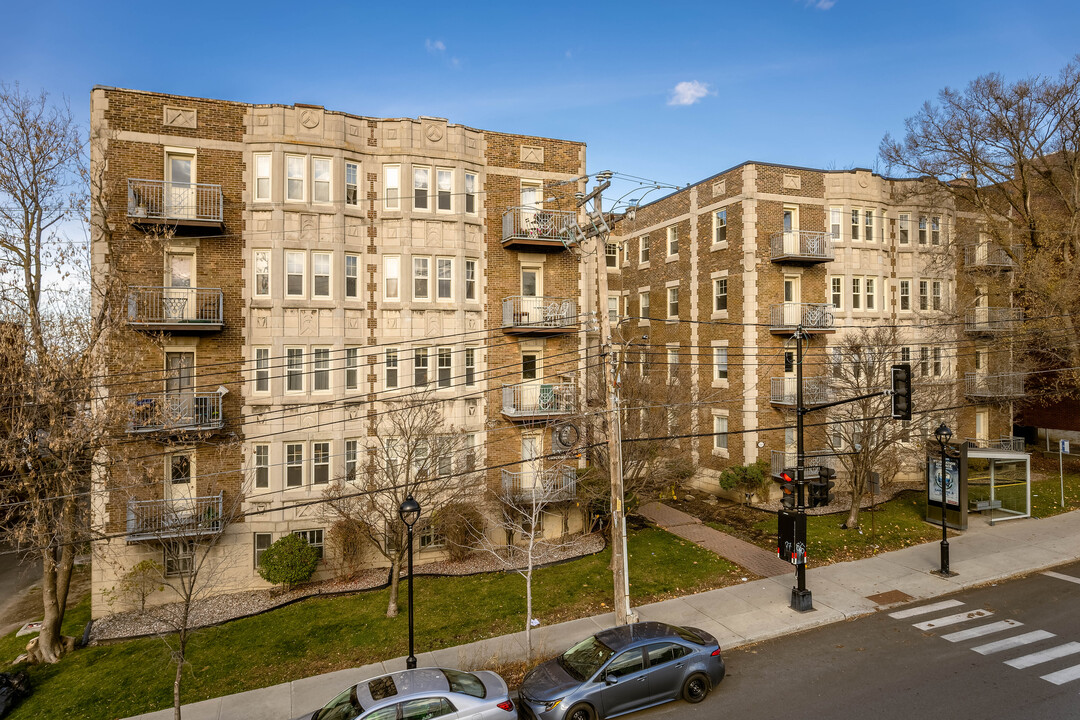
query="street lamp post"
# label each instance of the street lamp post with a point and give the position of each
(410, 513)
(943, 434)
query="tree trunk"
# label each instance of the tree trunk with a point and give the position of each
(50, 643)
(852, 521)
(395, 572)
(178, 657)
(528, 608)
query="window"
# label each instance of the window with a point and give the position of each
(352, 459)
(391, 368)
(661, 653)
(391, 277)
(392, 187)
(924, 361)
(789, 362)
(470, 279)
(262, 370)
(720, 430)
(643, 304)
(870, 285)
(179, 558)
(672, 362)
(352, 276)
(320, 180)
(294, 465)
(320, 370)
(613, 308)
(937, 361)
(854, 224)
(320, 463)
(720, 226)
(352, 183)
(836, 217)
(836, 287)
(924, 299)
(421, 187)
(720, 363)
(262, 178)
(294, 369)
(294, 274)
(352, 368)
(420, 367)
(611, 255)
(294, 177)
(905, 354)
(180, 469)
(905, 222)
(936, 286)
(262, 466)
(719, 294)
(314, 539)
(470, 367)
(672, 241)
(856, 293)
(869, 217)
(529, 365)
(423, 709)
(262, 542)
(320, 275)
(935, 230)
(673, 302)
(429, 536)
(643, 249)
(922, 229)
(262, 273)
(444, 367)
(905, 295)
(470, 193)
(444, 278)
(444, 189)
(421, 276)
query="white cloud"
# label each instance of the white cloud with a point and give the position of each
(820, 4)
(689, 92)
(435, 46)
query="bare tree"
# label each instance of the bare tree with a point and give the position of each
(413, 453)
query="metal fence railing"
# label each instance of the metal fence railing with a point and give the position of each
(163, 200)
(789, 461)
(539, 399)
(783, 390)
(992, 255)
(1016, 444)
(179, 410)
(993, 320)
(802, 245)
(555, 484)
(174, 517)
(525, 312)
(529, 223)
(172, 305)
(812, 316)
(1003, 385)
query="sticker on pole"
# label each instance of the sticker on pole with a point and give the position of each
(1064, 446)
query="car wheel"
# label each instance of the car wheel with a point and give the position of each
(580, 712)
(695, 688)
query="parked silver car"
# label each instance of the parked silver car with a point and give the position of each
(422, 694)
(621, 670)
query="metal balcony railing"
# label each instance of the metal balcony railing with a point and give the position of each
(539, 314)
(539, 399)
(1003, 385)
(172, 518)
(179, 411)
(782, 461)
(992, 255)
(529, 225)
(1015, 444)
(163, 200)
(812, 316)
(784, 390)
(555, 484)
(801, 246)
(993, 320)
(174, 306)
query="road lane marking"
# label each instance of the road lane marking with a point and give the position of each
(1063, 676)
(1013, 642)
(975, 632)
(1059, 576)
(953, 619)
(1053, 653)
(913, 612)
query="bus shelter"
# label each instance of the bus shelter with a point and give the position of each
(999, 481)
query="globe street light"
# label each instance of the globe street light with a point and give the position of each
(409, 511)
(943, 434)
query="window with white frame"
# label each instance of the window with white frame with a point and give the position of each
(320, 179)
(352, 276)
(613, 308)
(295, 177)
(444, 189)
(673, 303)
(935, 230)
(314, 538)
(352, 459)
(294, 465)
(179, 465)
(263, 541)
(611, 255)
(429, 535)
(836, 219)
(352, 183)
(905, 229)
(936, 289)
(421, 278)
(179, 558)
(672, 241)
(643, 249)
(924, 361)
(922, 229)
(470, 367)
(924, 295)
(870, 290)
(392, 278)
(261, 460)
(421, 187)
(643, 304)
(444, 367)
(294, 274)
(320, 275)
(672, 362)
(444, 278)
(905, 354)
(391, 368)
(937, 361)
(868, 217)
(856, 293)
(392, 187)
(294, 369)
(905, 295)
(420, 367)
(262, 369)
(352, 368)
(320, 462)
(720, 432)
(320, 369)
(720, 227)
(720, 363)
(261, 263)
(470, 193)
(262, 177)
(854, 224)
(836, 292)
(719, 294)
(470, 279)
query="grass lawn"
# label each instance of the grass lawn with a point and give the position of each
(320, 635)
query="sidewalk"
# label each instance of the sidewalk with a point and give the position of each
(737, 615)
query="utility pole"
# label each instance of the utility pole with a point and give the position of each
(801, 598)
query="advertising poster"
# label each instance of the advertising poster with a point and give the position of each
(952, 481)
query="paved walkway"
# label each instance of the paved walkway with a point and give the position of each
(737, 615)
(760, 562)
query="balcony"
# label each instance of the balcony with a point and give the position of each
(993, 320)
(538, 400)
(782, 461)
(813, 317)
(801, 247)
(1002, 386)
(1011, 443)
(530, 229)
(556, 484)
(159, 202)
(783, 391)
(991, 256)
(173, 518)
(175, 309)
(178, 411)
(527, 315)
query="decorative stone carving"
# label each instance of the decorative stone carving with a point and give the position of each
(309, 322)
(309, 226)
(720, 187)
(434, 133)
(433, 324)
(354, 129)
(532, 154)
(262, 120)
(352, 319)
(792, 182)
(180, 117)
(434, 233)
(310, 118)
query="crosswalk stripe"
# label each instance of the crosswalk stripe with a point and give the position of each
(1053, 653)
(913, 612)
(1059, 576)
(1063, 676)
(1013, 642)
(975, 632)
(953, 619)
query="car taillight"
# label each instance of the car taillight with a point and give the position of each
(506, 705)
(716, 652)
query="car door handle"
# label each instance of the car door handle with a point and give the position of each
(641, 679)
(679, 665)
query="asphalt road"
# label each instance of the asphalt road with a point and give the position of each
(882, 667)
(15, 578)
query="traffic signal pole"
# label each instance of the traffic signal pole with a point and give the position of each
(801, 598)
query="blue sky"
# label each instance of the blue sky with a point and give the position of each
(814, 83)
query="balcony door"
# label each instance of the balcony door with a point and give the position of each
(791, 231)
(531, 464)
(531, 381)
(180, 198)
(179, 388)
(179, 487)
(532, 200)
(178, 300)
(532, 294)
(792, 309)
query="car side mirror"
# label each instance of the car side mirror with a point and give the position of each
(610, 679)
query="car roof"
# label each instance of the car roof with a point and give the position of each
(623, 636)
(407, 683)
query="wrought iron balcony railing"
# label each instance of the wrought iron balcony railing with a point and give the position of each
(992, 255)
(531, 227)
(814, 317)
(789, 461)
(784, 390)
(1002, 385)
(539, 399)
(163, 200)
(172, 518)
(801, 246)
(992, 320)
(522, 313)
(178, 411)
(174, 306)
(1015, 444)
(555, 484)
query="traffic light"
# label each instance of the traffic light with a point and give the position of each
(901, 391)
(787, 484)
(821, 489)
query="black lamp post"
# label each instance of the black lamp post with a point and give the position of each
(410, 513)
(943, 434)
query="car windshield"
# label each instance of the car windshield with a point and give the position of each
(465, 683)
(689, 635)
(584, 659)
(344, 707)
